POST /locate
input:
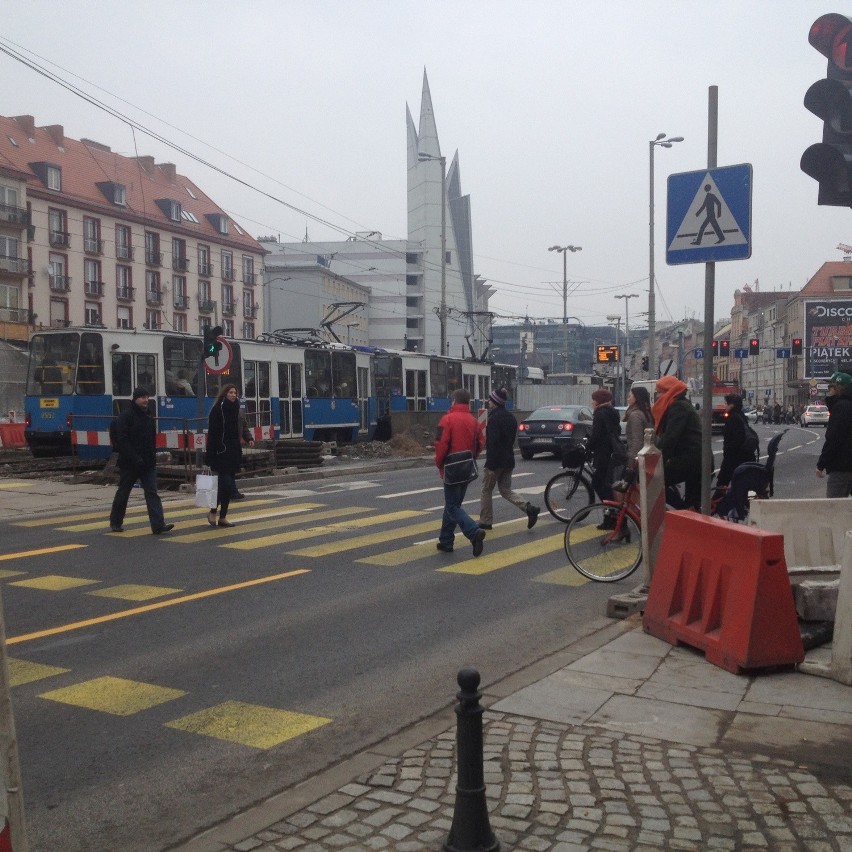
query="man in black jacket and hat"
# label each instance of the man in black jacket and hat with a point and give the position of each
(500, 433)
(836, 456)
(137, 460)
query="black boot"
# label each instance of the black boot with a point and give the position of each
(608, 521)
(532, 515)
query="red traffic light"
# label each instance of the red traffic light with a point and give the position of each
(797, 346)
(754, 346)
(724, 348)
(831, 34)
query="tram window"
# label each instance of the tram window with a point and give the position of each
(53, 364)
(122, 374)
(343, 373)
(181, 358)
(454, 376)
(90, 375)
(317, 373)
(146, 369)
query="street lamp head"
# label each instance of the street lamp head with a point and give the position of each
(660, 136)
(563, 249)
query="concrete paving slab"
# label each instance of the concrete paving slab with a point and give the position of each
(639, 642)
(661, 719)
(554, 700)
(708, 698)
(626, 664)
(688, 668)
(797, 690)
(833, 717)
(610, 683)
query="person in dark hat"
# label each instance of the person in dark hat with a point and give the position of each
(500, 433)
(137, 460)
(739, 441)
(836, 456)
(606, 433)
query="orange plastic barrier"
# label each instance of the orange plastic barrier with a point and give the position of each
(12, 435)
(723, 588)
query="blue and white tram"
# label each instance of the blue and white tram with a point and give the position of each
(79, 379)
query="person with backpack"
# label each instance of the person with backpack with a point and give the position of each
(740, 443)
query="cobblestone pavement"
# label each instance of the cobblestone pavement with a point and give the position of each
(564, 788)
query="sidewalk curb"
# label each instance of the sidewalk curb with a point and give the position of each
(256, 818)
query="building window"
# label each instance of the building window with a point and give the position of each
(227, 266)
(179, 288)
(119, 194)
(124, 317)
(227, 300)
(9, 251)
(248, 331)
(10, 300)
(228, 328)
(153, 255)
(92, 242)
(179, 322)
(57, 228)
(152, 320)
(153, 295)
(54, 178)
(179, 259)
(92, 313)
(124, 283)
(205, 267)
(59, 281)
(8, 196)
(248, 271)
(249, 307)
(92, 284)
(123, 242)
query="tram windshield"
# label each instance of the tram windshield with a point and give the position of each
(53, 364)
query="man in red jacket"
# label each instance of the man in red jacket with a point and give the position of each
(458, 430)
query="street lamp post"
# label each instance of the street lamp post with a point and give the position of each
(662, 142)
(442, 315)
(617, 320)
(626, 297)
(563, 250)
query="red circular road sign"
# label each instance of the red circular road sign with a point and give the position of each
(225, 357)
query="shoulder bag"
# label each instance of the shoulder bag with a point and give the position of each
(460, 468)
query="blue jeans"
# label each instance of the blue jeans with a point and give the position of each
(148, 480)
(455, 515)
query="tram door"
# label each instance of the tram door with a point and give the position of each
(131, 370)
(256, 393)
(364, 397)
(290, 399)
(415, 389)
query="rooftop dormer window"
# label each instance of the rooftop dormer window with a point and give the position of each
(170, 207)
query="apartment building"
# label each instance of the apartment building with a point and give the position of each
(92, 237)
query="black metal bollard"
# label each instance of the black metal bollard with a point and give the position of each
(471, 830)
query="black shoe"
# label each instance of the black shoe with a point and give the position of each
(477, 540)
(238, 496)
(224, 523)
(485, 526)
(444, 548)
(608, 523)
(532, 515)
(116, 529)
(165, 529)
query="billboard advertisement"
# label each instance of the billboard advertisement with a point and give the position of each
(828, 336)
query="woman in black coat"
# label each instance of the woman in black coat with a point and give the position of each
(224, 452)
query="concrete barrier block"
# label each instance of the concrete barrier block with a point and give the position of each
(816, 600)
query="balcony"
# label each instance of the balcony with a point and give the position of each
(60, 283)
(180, 264)
(125, 294)
(124, 252)
(181, 303)
(13, 266)
(250, 311)
(93, 246)
(227, 274)
(60, 239)
(205, 269)
(153, 258)
(13, 215)
(153, 297)
(249, 279)
(94, 288)
(206, 307)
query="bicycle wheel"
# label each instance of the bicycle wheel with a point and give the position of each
(565, 494)
(603, 543)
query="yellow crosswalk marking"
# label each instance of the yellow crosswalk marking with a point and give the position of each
(86, 516)
(363, 540)
(114, 695)
(495, 560)
(4, 575)
(329, 529)
(285, 519)
(565, 576)
(21, 554)
(248, 724)
(17, 483)
(134, 592)
(54, 583)
(24, 671)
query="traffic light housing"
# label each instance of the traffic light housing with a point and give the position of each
(212, 345)
(645, 363)
(715, 347)
(796, 348)
(830, 162)
(724, 348)
(754, 346)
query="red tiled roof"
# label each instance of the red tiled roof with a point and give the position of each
(85, 164)
(820, 284)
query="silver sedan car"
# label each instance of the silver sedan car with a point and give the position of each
(814, 415)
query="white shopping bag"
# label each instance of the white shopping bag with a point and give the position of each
(206, 488)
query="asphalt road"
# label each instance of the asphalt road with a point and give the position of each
(164, 683)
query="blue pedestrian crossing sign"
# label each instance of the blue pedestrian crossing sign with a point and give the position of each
(709, 215)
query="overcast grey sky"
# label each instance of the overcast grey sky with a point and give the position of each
(550, 104)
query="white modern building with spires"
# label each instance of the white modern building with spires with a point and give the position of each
(409, 284)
